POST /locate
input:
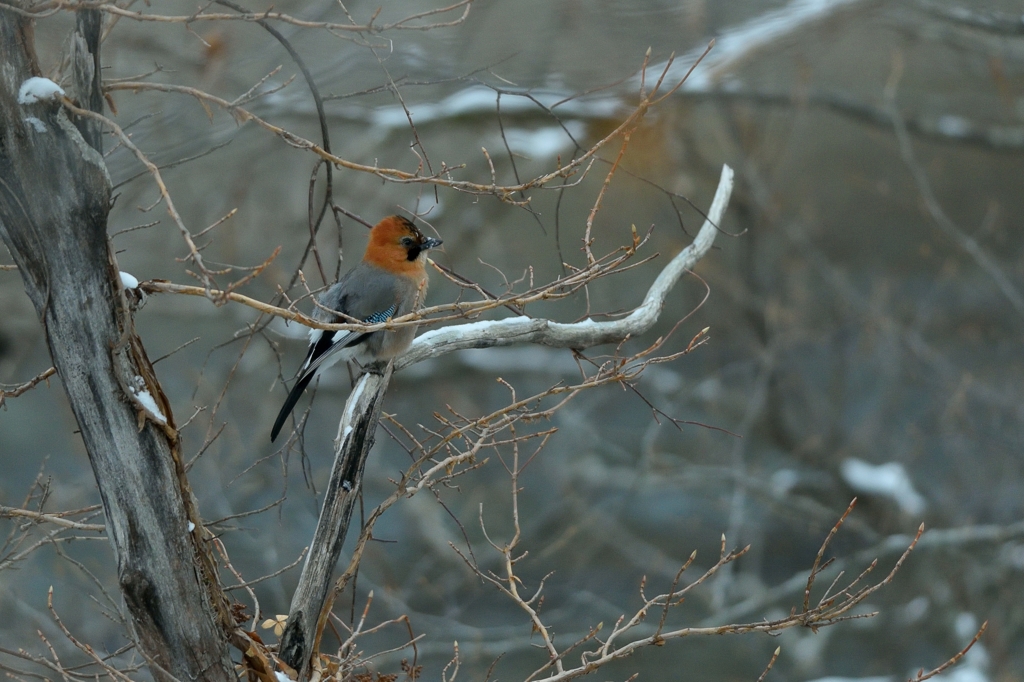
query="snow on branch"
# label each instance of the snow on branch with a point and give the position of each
(583, 334)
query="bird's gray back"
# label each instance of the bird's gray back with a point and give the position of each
(367, 290)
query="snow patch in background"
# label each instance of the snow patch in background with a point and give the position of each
(427, 206)
(1012, 554)
(543, 141)
(915, 610)
(482, 100)
(883, 678)
(954, 126)
(783, 481)
(664, 380)
(36, 89)
(739, 42)
(38, 125)
(886, 480)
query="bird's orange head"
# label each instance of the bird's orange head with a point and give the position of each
(396, 245)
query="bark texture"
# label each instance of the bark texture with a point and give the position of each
(54, 200)
(308, 612)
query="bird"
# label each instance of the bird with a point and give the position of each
(389, 281)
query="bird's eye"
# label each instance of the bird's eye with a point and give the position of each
(407, 241)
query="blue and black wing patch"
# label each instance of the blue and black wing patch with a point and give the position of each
(327, 343)
(382, 316)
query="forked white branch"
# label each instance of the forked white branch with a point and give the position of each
(583, 334)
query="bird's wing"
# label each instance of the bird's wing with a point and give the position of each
(366, 293)
(363, 294)
(325, 348)
(325, 344)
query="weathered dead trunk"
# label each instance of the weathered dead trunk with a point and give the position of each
(310, 603)
(54, 200)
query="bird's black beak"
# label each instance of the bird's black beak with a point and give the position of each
(430, 243)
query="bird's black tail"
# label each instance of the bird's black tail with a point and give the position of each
(289, 404)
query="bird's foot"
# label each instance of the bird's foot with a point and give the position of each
(375, 367)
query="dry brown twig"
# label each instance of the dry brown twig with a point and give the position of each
(205, 275)
(921, 676)
(441, 177)
(828, 611)
(349, 659)
(524, 329)
(22, 388)
(767, 669)
(57, 520)
(44, 9)
(113, 672)
(562, 287)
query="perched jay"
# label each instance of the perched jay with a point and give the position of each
(389, 282)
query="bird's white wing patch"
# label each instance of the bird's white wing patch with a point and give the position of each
(320, 357)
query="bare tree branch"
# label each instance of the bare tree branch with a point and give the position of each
(584, 334)
(28, 385)
(14, 512)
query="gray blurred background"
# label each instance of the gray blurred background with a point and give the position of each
(870, 312)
